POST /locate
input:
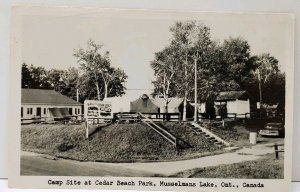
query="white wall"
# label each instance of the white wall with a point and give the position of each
(75, 109)
(239, 107)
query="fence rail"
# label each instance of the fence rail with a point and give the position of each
(165, 134)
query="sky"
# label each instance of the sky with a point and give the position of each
(132, 38)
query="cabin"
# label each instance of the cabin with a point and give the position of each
(147, 104)
(42, 103)
(233, 104)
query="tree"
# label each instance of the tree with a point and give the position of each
(265, 82)
(200, 41)
(96, 67)
(34, 77)
(190, 37)
(26, 79)
(54, 78)
(165, 65)
(237, 60)
(70, 80)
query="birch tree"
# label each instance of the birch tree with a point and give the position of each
(96, 66)
(180, 39)
(165, 66)
(192, 38)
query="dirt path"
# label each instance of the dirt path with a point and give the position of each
(37, 164)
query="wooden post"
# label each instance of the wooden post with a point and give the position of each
(86, 128)
(276, 151)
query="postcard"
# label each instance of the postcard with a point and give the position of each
(132, 99)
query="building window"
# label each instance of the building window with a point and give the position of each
(21, 111)
(45, 110)
(75, 111)
(29, 111)
(79, 111)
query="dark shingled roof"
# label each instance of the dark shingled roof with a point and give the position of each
(232, 95)
(48, 97)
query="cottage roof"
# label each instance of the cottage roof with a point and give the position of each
(232, 95)
(46, 97)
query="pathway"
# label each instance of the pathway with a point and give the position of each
(37, 164)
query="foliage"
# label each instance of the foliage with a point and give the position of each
(222, 66)
(96, 68)
(34, 77)
(63, 81)
(272, 81)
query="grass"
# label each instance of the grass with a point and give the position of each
(113, 143)
(197, 143)
(266, 167)
(235, 132)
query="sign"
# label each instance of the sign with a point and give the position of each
(94, 109)
(258, 105)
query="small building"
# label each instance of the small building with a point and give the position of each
(146, 104)
(119, 104)
(47, 103)
(233, 104)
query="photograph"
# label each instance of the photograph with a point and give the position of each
(109, 93)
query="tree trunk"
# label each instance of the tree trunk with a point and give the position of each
(105, 90)
(184, 106)
(185, 91)
(98, 91)
(196, 98)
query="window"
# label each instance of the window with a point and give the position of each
(29, 111)
(79, 111)
(75, 111)
(21, 111)
(45, 110)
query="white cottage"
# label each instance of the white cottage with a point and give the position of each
(233, 103)
(47, 103)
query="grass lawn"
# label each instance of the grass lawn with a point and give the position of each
(266, 167)
(113, 143)
(235, 132)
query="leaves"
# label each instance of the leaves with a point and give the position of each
(95, 66)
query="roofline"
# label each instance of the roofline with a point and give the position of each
(232, 99)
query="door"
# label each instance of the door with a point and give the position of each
(70, 111)
(38, 111)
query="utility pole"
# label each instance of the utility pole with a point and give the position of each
(260, 93)
(77, 95)
(196, 98)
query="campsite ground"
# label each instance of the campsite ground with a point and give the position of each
(136, 143)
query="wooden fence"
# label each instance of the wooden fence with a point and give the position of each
(277, 150)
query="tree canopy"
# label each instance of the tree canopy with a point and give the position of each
(94, 79)
(221, 66)
(96, 68)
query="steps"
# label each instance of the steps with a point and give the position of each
(165, 134)
(200, 130)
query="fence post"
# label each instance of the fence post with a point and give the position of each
(86, 128)
(276, 151)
